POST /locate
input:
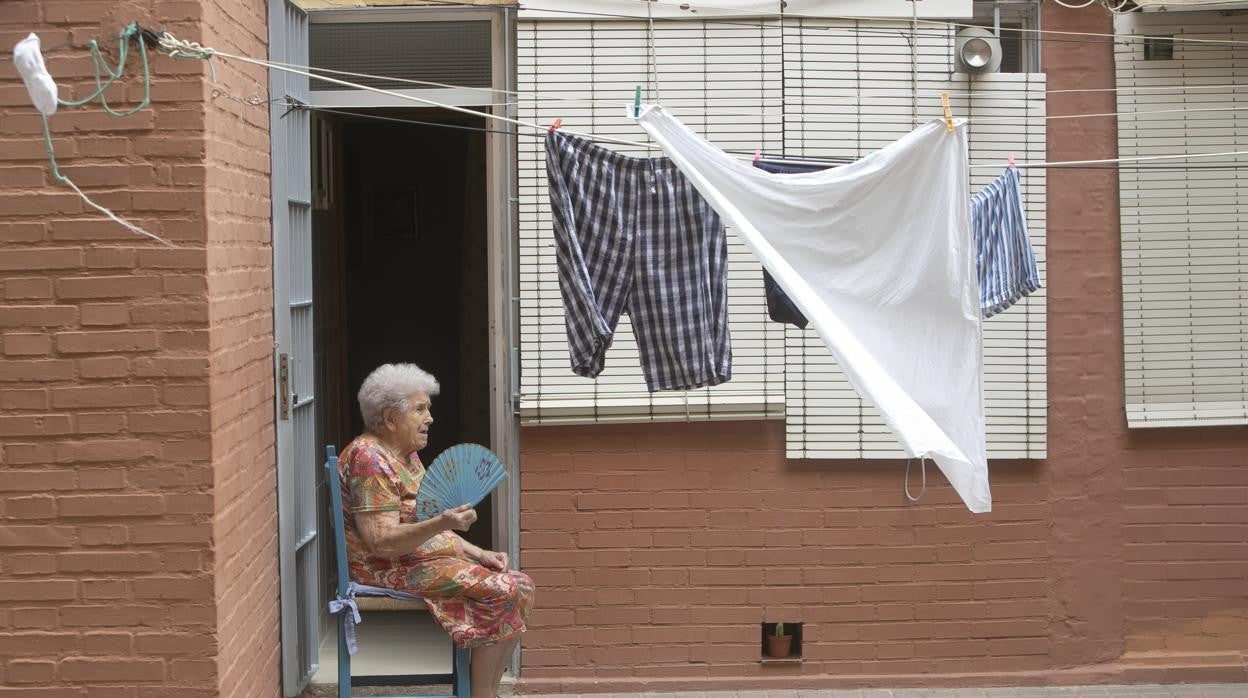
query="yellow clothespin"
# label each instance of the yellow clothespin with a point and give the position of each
(944, 101)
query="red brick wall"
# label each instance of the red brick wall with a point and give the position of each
(1185, 592)
(127, 427)
(240, 281)
(658, 551)
(1123, 556)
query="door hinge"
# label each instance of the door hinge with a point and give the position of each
(283, 385)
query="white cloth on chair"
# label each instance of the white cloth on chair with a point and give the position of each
(878, 255)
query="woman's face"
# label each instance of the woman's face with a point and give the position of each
(411, 428)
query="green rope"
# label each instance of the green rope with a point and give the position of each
(98, 63)
(56, 174)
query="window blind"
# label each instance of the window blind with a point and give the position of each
(716, 77)
(802, 88)
(1184, 252)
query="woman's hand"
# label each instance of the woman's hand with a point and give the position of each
(460, 518)
(486, 558)
(492, 560)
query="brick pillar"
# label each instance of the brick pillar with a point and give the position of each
(240, 298)
(137, 543)
(1087, 424)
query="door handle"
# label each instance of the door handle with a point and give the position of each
(283, 385)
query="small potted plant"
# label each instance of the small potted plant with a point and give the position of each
(778, 643)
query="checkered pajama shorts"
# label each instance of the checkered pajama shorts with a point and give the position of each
(632, 234)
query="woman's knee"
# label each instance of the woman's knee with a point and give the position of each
(522, 590)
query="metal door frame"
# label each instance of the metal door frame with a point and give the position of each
(502, 223)
(294, 374)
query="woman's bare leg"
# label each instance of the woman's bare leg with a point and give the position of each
(487, 665)
(484, 663)
(508, 647)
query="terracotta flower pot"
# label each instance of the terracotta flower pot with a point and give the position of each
(778, 646)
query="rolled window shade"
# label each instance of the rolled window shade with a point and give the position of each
(1184, 249)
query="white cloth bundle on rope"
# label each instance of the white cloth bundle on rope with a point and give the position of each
(878, 255)
(28, 58)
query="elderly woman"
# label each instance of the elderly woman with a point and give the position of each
(470, 591)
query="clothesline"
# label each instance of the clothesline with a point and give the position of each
(187, 49)
(866, 31)
(537, 96)
(764, 156)
(1041, 33)
(900, 93)
(804, 100)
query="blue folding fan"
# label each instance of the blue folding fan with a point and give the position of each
(462, 474)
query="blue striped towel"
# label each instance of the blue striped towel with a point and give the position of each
(1007, 265)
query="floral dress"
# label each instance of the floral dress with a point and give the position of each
(474, 604)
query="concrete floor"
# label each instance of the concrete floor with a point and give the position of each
(391, 642)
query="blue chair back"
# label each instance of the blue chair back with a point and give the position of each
(334, 482)
(460, 657)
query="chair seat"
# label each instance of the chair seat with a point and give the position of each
(385, 603)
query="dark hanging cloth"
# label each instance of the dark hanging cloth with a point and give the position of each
(779, 307)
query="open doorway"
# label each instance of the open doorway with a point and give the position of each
(400, 230)
(408, 227)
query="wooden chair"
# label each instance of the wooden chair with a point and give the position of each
(347, 610)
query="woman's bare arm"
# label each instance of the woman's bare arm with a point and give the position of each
(386, 537)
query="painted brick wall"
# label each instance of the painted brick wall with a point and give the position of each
(105, 481)
(1185, 591)
(136, 462)
(1086, 418)
(658, 550)
(240, 280)
(1151, 526)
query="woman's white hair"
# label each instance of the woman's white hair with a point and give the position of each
(388, 387)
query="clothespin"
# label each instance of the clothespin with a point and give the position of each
(758, 155)
(1009, 161)
(555, 125)
(637, 102)
(944, 102)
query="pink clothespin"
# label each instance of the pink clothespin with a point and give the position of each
(758, 155)
(555, 126)
(1009, 161)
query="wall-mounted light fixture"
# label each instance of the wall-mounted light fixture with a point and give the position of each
(977, 50)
